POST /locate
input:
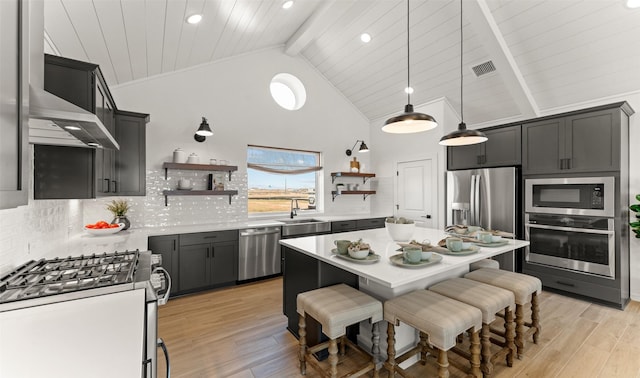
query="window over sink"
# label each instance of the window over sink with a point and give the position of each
(280, 177)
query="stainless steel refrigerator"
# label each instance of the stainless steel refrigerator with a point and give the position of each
(487, 198)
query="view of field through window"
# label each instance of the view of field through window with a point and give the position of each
(276, 177)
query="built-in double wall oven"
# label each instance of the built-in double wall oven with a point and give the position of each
(570, 224)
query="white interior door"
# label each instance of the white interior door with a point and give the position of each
(417, 191)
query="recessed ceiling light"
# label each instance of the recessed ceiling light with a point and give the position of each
(287, 4)
(194, 19)
(633, 4)
(365, 37)
(408, 90)
(75, 128)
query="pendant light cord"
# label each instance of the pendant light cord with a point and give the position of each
(461, 74)
(408, 61)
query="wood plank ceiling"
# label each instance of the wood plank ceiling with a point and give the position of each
(547, 53)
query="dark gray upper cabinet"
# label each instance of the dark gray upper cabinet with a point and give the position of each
(14, 92)
(62, 172)
(114, 172)
(503, 148)
(584, 142)
(130, 160)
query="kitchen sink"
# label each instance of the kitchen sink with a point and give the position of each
(298, 221)
(302, 227)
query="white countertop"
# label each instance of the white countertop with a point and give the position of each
(384, 272)
(137, 237)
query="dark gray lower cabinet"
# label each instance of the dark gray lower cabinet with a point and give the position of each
(167, 247)
(207, 259)
(354, 225)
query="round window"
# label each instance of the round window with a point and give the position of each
(288, 91)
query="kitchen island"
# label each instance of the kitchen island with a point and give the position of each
(310, 264)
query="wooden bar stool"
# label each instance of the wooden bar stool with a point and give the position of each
(439, 320)
(525, 288)
(490, 300)
(335, 308)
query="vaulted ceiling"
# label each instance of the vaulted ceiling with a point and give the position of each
(547, 53)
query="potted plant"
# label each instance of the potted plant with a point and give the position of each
(635, 225)
(119, 210)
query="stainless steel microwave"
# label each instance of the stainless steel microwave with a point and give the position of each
(590, 196)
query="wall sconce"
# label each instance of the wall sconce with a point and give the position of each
(363, 147)
(203, 131)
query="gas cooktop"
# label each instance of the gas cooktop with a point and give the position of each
(42, 278)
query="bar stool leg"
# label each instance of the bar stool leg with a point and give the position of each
(342, 346)
(519, 330)
(509, 328)
(333, 358)
(443, 364)
(535, 317)
(474, 348)
(375, 347)
(487, 366)
(302, 332)
(423, 348)
(391, 350)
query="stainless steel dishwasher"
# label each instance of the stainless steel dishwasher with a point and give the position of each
(259, 253)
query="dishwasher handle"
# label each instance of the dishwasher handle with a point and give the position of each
(268, 232)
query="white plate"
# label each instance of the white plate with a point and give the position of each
(399, 261)
(492, 244)
(370, 259)
(104, 231)
(471, 250)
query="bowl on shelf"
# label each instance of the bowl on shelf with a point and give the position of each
(400, 231)
(104, 231)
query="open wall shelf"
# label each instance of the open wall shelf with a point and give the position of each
(179, 192)
(198, 167)
(365, 176)
(364, 193)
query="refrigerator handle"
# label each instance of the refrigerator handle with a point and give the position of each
(476, 194)
(472, 208)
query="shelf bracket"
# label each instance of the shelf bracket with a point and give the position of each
(166, 173)
(229, 180)
(166, 201)
(333, 196)
(229, 194)
(364, 180)
(364, 196)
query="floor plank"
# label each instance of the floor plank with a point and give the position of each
(240, 332)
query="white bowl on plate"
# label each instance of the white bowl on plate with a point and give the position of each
(400, 231)
(104, 231)
(358, 254)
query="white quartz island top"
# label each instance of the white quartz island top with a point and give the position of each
(383, 272)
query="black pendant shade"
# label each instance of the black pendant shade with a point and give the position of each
(204, 129)
(462, 136)
(409, 121)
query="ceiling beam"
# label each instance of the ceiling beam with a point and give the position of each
(319, 21)
(485, 26)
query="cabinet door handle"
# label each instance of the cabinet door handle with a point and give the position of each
(115, 186)
(566, 284)
(478, 159)
(108, 186)
(210, 237)
(569, 163)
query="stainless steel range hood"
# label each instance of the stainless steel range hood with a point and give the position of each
(53, 120)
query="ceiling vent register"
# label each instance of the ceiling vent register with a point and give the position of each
(483, 68)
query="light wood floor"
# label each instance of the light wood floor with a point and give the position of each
(240, 332)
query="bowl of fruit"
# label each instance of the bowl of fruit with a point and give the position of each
(103, 228)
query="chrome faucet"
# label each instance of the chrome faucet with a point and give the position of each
(294, 208)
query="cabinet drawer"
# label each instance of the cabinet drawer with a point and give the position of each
(365, 224)
(208, 237)
(342, 226)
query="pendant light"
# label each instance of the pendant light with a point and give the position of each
(409, 121)
(462, 136)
